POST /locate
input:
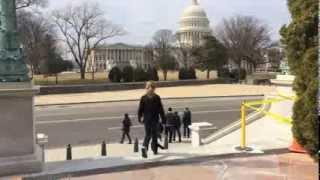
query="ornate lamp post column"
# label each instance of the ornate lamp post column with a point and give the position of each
(19, 153)
(12, 66)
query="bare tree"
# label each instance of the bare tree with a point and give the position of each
(150, 54)
(33, 30)
(246, 40)
(163, 45)
(27, 3)
(211, 55)
(275, 56)
(84, 27)
(183, 52)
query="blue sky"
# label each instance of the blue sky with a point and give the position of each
(141, 18)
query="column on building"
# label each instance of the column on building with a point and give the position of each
(118, 56)
(111, 58)
(127, 57)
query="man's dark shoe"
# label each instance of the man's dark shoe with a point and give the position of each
(155, 150)
(160, 146)
(144, 153)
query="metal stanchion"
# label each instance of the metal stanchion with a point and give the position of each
(136, 146)
(69, 152)
(103, 149)
(243, 145)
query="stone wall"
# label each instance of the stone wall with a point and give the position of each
(65, 89)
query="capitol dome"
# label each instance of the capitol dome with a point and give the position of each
(194, 25)
(194, 11)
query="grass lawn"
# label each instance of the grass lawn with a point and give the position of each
(73, 78)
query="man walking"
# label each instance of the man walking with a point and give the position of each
(126, 124)
(150, 108)
(186, 123)
(177, 126)
(170, 123)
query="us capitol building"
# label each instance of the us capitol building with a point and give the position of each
(194, 25)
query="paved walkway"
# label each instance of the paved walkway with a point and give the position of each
(259, 136)
(167, 92)
(217, 160)
(264, 135)
(270, 167)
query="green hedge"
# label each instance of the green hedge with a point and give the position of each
(127, 74)
(140, 75)
(115, 75)
(153, 74)
(185, 74)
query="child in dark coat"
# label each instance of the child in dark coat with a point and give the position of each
(126, 124)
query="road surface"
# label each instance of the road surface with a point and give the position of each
(92, 123)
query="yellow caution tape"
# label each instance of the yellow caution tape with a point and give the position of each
(277, 117)
(287, 97)
(252, 104)
(280, 118)
(267, 101)
(281, 98)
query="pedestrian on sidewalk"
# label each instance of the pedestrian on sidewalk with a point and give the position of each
(186, 123)
(126, 125)
(177, 126)
(150, 108)
(170, 124)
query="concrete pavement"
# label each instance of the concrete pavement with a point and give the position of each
(269, 167)
(84, 124)
(262, 135)
(265, 135)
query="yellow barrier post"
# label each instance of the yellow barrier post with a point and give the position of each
(243, 126)
(243, 144)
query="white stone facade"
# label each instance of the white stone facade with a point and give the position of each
(106, 57)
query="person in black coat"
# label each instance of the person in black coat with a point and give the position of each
(150, 108)
(177, 126)
(170, 124)
(126, 124)
(186, 123)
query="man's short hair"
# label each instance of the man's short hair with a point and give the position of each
(170, 109)
(150, 84)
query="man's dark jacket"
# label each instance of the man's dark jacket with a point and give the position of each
(150, 109)
(170, 119)
(187, 118)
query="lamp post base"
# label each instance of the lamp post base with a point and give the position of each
(19, 153)
(20, 165)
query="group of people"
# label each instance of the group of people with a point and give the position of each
(155, 120)
(173, 124)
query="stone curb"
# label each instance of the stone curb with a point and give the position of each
(131, 100)
(147, 164)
